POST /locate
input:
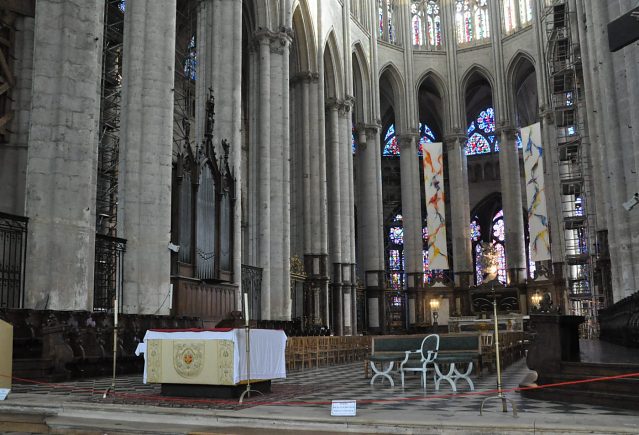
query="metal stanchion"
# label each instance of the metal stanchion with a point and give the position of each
(247, 328)
(500, 393)
(115, 348)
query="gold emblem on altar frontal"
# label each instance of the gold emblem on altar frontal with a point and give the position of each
(188, 358)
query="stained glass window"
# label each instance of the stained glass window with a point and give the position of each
(532, 267)
(425, 234)
(392, 37)
(190, 63)
(497, 238)
(510, 15)
(396, 235)
(478, 268)
(395, 253)
(426, 135)
(391, 145)
(426, 24)
(380, 8)
(354, 139)
(475, 231)
(525, 11)
(122, 5)
(472, 20)
(481, 133)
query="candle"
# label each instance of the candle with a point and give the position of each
(115, 312)
(246, 309)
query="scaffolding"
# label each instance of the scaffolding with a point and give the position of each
(109, 250)
(110, 107)
(563, 60)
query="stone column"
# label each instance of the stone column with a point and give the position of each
(146, 143)
(412, 218)
(264, 168)
(460, 213)
(335, 214)
(62, 155)
(512, 205)
(368, 221)
(508, 159)
(618, 220)
(13, 155)
(454, 142)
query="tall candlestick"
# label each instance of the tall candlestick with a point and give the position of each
(115, 311)
(246, 309)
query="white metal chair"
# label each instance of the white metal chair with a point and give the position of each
(422, 359)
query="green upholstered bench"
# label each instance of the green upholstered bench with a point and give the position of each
(388, 349)
(454, 350)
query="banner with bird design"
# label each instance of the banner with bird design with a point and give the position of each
(535, 192)
(433, 162)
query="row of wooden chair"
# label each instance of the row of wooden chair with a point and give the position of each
(511, 348)
(316, 351)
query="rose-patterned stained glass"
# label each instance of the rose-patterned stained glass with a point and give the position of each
(395, 260)
(486, 120)
(475, 231)
(481, 133)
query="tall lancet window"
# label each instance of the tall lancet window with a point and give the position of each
(510, 15)
(426, 24)
(395, 253)
(493, 239)
(387, 21)
(525, 11)
(472, 20)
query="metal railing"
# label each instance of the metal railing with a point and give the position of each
(13, 250)
(108, 274)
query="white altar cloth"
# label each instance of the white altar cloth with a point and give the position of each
(268, 347)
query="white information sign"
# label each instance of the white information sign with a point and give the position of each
(3, 393)
(343, 408)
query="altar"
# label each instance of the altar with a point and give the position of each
(212, 356)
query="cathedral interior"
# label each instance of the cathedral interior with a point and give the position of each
(336, 176)
(358, 166)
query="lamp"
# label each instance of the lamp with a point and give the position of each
(536, 299)
(434, 307)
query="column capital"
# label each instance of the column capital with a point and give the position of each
(547, 114)
(507, 129)
(332, 103)
(301, 77)
(454, 137)
(405, 139)
(372, 129)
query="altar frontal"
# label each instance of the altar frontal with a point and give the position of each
(212, 357)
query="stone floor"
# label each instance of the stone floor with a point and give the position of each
(301, 402)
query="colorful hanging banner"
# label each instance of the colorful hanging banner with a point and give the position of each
(535, 192)
(433, 162)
